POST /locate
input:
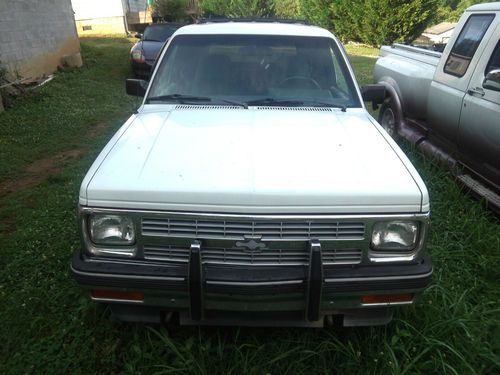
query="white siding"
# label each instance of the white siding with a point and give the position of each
(90, 9)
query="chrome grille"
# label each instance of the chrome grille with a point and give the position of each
(219, 255)
(265, 257)
(237, 230)
(342, 256)
(166, 254)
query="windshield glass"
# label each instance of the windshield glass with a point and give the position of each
(159, 33)
(256, 70)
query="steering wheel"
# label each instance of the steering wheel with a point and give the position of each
(311, 82)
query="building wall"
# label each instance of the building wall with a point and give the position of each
(99, 17)
(35, 36)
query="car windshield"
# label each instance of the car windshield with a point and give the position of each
(159, 33)
(254, 70)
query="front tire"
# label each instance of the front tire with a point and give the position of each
(388, 118)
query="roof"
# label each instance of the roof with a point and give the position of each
(440, 28)
(495, 7)
(260, 27)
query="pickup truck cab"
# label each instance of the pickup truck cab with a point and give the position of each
(253, 187)
(448, 104)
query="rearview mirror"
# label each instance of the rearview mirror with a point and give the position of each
(136, 87)
(492, 80)
(373, 93)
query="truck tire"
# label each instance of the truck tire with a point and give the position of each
(389, 119)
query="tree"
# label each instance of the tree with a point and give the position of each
(170, 10)
(377, 22)
(317, 12)
(288, 9)
(237, 8)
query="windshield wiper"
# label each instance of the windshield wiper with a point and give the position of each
(275, 102)
(317, 103)
(181, 98)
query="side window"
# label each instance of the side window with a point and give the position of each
(494, 62)
(467, 43)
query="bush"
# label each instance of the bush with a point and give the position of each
(317, 12)
(237, 8)
(170, 10)
(377, 22)
(288, 9)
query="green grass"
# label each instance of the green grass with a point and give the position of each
(51, 327)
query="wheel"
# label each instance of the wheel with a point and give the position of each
(389, 119)
(289, 81)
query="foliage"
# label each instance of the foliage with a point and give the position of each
(317, 12)
(237, 8)
(288, 9)
(377, 22)
(456, 9)
(170, 10)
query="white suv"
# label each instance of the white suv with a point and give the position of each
(253, 187)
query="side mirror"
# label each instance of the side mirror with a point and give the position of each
(373, 93)
(492, 80)
(138, 35)
(136, 87)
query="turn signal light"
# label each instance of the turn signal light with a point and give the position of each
(387, 298)
(117, 295)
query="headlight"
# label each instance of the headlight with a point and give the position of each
(138, 56)
(395, 235)
(111, 230)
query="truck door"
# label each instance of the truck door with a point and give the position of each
(452, 77)
(479, 131)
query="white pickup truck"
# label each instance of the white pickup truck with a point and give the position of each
(253, 187)
(448, 104)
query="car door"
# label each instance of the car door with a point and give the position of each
(479, 130)
(452, 77)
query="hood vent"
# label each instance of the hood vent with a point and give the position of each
(205, 107)
(262, 108)
(301, 109)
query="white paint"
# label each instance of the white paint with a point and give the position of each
(251, 160)
(89, 9)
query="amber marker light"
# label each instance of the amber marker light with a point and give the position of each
(117, 295)
(386, 298)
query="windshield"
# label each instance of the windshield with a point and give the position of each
(254, 70)
(159, 33)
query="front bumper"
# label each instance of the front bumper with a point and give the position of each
(301, 294)
(142, 69)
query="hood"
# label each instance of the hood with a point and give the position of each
(151, 49)
(267, 160)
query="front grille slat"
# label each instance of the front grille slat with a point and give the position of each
(240, 257)
(266, 230)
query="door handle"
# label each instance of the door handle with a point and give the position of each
(477, 91)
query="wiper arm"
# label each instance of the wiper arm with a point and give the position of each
(317, 103)
(181, 98)
(178, 98)
(275, 102)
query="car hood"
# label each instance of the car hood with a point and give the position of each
(257, 160)
(150, 49)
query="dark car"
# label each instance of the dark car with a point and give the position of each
(143, 54)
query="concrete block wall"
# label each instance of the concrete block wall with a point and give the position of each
(36, 35)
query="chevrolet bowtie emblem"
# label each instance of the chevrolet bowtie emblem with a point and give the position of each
(252, 244)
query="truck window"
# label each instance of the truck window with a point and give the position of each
(246, 68)
(466, 45)
(494, 62)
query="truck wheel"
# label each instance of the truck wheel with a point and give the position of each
(388, 118)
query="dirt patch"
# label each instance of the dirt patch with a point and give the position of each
(39, 171)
